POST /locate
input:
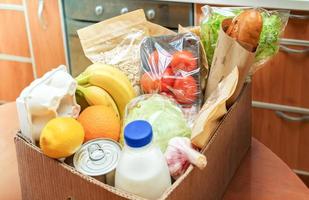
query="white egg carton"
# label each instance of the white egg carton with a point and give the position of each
(50, 96)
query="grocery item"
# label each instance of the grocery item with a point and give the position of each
(165, 116)
(61, 137)
(273, 27)
(180, 153)
(204, 69)
(246, 28)
(100, 121)
(171, 66)
(52, 95)
(116, 41)
(95, 95)
(112, 80)
(185, 90)
(98, 158)
(213, 110)
(80, 100)
(274, 23)
(142, 169)
(229, 54)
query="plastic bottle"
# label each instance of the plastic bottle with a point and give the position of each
(142, 169)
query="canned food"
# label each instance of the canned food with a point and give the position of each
(98, 158)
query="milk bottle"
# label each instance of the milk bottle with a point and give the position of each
(142, 168)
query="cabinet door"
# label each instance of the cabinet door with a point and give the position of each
(198, 13)
(14, 75)
(284, 80)
(48, 42)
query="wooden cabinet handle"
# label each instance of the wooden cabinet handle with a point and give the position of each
(292, 118)
(303, 17)
(291, 50)
(40, 14)
(294, 42)
(279, 107)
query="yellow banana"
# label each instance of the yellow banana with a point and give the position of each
(111, 79)
(93, 68)
(98, 66)
(97, 96)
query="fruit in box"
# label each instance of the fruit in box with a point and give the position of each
(100, 121)
(61, 137)
(112, 80)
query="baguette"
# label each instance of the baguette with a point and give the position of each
(246, 28)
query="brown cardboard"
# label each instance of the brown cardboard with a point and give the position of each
(45, 178)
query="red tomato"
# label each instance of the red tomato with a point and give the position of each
(183, 60)
(150, 83)
(167, 80)
(185, 90)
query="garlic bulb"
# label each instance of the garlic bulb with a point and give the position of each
(180, 154)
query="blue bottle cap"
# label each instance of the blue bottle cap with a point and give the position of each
(138, 133)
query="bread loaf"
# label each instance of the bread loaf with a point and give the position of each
(246, 28)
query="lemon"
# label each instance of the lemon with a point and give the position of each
(61, 137)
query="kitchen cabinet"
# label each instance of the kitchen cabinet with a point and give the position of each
(47, 35)
(14, 77)
(31, 43)
(284, 81)
(13, 42)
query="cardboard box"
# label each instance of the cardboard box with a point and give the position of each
(45, 178)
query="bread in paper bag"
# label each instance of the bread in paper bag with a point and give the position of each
(228, 54)
(213, 110)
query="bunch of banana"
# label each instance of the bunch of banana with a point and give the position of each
(107, 85)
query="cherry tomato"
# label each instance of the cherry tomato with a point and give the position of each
(150, 83)
(183, 60)
(167, 80)
(185, 90)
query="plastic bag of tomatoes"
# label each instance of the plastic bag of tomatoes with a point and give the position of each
(171, 67)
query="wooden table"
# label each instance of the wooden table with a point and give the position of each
(261, 176)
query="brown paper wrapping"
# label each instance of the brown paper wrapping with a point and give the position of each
(108, 34)
(213, 110)
(228, 54)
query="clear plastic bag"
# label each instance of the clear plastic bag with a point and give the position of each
(274, 23)
(171, 66)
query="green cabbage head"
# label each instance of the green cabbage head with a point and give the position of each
(165, 116)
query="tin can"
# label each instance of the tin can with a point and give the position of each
(98, 158)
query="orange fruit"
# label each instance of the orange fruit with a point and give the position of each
(100, 121)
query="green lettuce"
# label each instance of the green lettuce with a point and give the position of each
(166, 118)
(210, 27)
(269, 38)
